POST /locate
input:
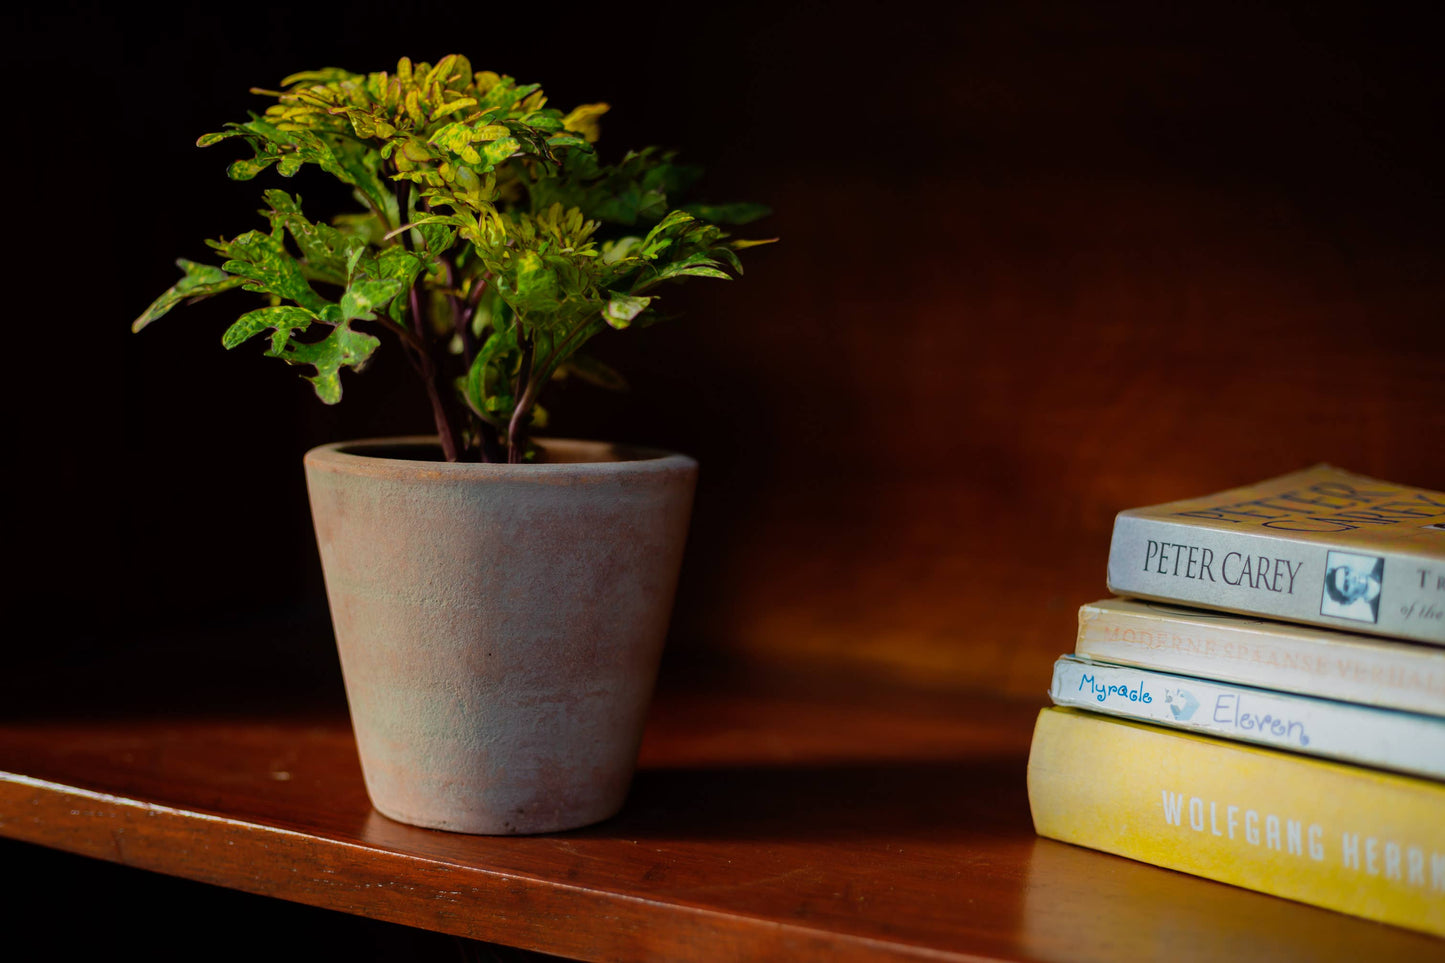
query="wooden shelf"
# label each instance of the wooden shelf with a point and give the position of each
(773, 817)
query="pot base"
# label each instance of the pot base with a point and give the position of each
(522, 824)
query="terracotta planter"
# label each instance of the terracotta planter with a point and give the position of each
(499, 626)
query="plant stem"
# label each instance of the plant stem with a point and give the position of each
(519, 418)
(407, 338)
(529, 384)
(527, 395)
(491, 440)
(475, 298)
(401, 190)
(461, 315)
(427, 366)
(445, 432)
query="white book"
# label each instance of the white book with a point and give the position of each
(1320, 546)
(1385, 738)
(1270, 655)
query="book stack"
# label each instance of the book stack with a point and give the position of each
(1266, 706)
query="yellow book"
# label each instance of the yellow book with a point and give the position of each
(1346, 838)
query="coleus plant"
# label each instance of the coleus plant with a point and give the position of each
(490, 241)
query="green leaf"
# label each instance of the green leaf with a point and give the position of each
(499, 150)
(271, 144)
(620, 249)
(289, 164)
(658, 239)
(324, 76)
(629, 206)
(362, 165)
(534, 284)
(328, 254)
(285, 320)
(267, 267)
(244, 170)
(738, 213)
(622, 308)
(695, 265)
(454, 106)
(501, 199)
(489, 382)
(200, 281)
(393, 263)
(342, 348)
(518, 94)
(697, 271)
(365, 296)
(206, 140)
(457, 138)
(567, 140)
(728, 255)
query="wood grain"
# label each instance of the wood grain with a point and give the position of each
(793, 818)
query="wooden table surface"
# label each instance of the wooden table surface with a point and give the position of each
(772, 817)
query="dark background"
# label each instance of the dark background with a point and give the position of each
(1039, 262)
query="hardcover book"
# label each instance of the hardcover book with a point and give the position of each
(1355, 840)
(1387, 738)
(1267, 654)
(1320, 546)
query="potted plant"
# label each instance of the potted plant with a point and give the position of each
(499, 601)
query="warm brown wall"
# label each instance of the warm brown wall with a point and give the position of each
(1039, 263)
(1064, 262)
(1092, 347)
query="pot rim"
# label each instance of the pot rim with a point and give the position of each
(602, 459)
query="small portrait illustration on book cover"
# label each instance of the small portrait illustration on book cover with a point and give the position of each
(1182, 703)
(1352, 586)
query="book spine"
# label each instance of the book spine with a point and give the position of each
(1277, 577)
(1399, 676)
(1402, 741)
(1366, 843)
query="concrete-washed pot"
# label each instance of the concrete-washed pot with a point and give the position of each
(499, 626)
